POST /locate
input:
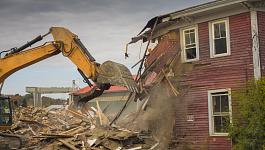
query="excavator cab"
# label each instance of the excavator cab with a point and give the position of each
(5, 113)
(8, 141)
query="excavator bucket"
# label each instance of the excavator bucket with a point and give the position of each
(110, 73)
(116, 74)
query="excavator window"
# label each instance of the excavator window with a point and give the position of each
(5, 112)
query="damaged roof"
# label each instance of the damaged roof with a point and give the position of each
(168, 21)
(111, 89)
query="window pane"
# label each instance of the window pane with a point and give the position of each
(216, 104)
(222, 28)
(192, 37)
(217, 124)
(191, 53)
(190, 44)
(224, 103)
(220, 46)
(220, 123)
(225, 121)
(187, 31)
(187, 39)
(216, 30)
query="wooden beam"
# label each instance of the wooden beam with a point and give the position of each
(67, 144)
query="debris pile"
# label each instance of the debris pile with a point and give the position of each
(63, 129)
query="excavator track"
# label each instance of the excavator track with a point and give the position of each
(10, 141)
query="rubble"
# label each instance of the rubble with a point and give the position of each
(61, 129)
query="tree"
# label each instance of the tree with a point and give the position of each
(24, 103)
(28, 96)
(17, 95)
(248, 115)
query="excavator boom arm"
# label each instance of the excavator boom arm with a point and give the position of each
(14, 62)
(65, 42)
(76, 52)
(105, 75)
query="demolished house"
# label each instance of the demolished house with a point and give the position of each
(201, 54)
(184, 81)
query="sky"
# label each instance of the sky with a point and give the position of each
(104, 27)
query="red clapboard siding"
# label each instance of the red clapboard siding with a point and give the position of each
(223, 72)
(164, 52)
(261, 30)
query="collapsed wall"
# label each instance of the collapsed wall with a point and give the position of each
(164, 110)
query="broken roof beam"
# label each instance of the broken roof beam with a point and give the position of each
(141, 65)
(146, 35)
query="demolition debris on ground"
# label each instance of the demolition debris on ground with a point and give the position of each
(62, 129)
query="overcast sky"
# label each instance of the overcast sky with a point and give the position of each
(104, 27)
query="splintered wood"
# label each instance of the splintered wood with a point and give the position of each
(62, 129)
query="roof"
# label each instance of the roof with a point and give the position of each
(114, 88)
(210, 7)
(111, 89)
(188, 14)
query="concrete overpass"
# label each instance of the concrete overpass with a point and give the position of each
(37, 91)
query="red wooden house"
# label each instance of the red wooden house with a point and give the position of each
(223, 40)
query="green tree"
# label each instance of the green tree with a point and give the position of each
(17, 95)
(24, 103)
(248, 115)
(28, 96)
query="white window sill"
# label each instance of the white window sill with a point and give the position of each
(191, 60)
(219, 134)
(220, 55)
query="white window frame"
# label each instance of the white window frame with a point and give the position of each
(182, 39)
(211, 37)
(210, 110)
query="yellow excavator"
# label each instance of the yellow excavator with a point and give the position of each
(103, 75)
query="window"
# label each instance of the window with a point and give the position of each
(189, 44)
(5, 114)
(219, 104)
(219, 38)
